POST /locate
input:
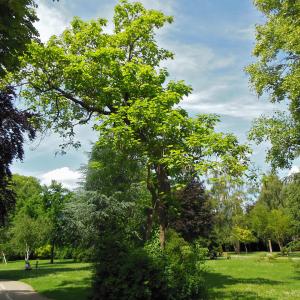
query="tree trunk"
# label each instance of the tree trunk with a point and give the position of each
(270, 246)
(164, 191)
(280, 245)
(150, 211)
(162, 225)
(246, 248)
(52, 253)
(237, 247)
(27, 253)
(160, 192)
(4, 258)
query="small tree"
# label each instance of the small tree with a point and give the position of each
(54, 200)
(259, 220)
(279, 226)
(28, 233)
(241, 235)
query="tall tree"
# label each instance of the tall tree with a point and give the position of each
(14, 126)
(279, 226)
(86, 72)
(291, 198)
(270, 192)
(259, 219)
(276, 73)
(16, 31)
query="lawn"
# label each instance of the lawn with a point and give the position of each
(248, 277)
(241, 277)
(64, 280)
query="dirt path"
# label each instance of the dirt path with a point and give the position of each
(16, 290)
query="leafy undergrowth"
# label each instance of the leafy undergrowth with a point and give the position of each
(64, 280)
(249, 277)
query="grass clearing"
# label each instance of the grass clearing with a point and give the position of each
(241, 277)
(247, 277)
(63, 280)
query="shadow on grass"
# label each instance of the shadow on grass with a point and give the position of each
(216, 283)
(43, 270)
(65, 290)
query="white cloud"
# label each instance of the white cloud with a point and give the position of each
(52, 21)
(208, 101)
(293, 170)
(195, 61)
(246, 33)
(67, 177)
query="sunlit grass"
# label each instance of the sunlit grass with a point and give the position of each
(249, 277)
(241, 277)
(64, 280)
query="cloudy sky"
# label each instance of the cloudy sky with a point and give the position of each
(212, 41)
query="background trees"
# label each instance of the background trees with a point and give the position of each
(276, 73)
(16, 31)
(55, 199)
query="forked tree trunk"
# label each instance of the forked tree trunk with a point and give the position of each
(27, 253)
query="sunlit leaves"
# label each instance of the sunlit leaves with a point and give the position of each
(277, 74)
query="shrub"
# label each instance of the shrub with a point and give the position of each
(184, 267)
(43, 252)
(129, 274)
(133, 273)
(226, 255)
(271, 257)
(293, 246)
(284, 251)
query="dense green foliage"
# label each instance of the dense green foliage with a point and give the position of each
(16, 31)
(15, 125)
(117, 77)
(276, 73)
(162, 191)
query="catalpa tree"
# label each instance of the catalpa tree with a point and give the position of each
(115, 79)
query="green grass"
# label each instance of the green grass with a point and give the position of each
(63, 280)
(247, 277)
(242, 277)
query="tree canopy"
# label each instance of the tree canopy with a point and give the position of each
(277, 73)
(117, 78)
(17, 29)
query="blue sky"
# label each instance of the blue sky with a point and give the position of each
(212, 41)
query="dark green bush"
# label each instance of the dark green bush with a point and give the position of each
(127, 274)
(133, 273)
